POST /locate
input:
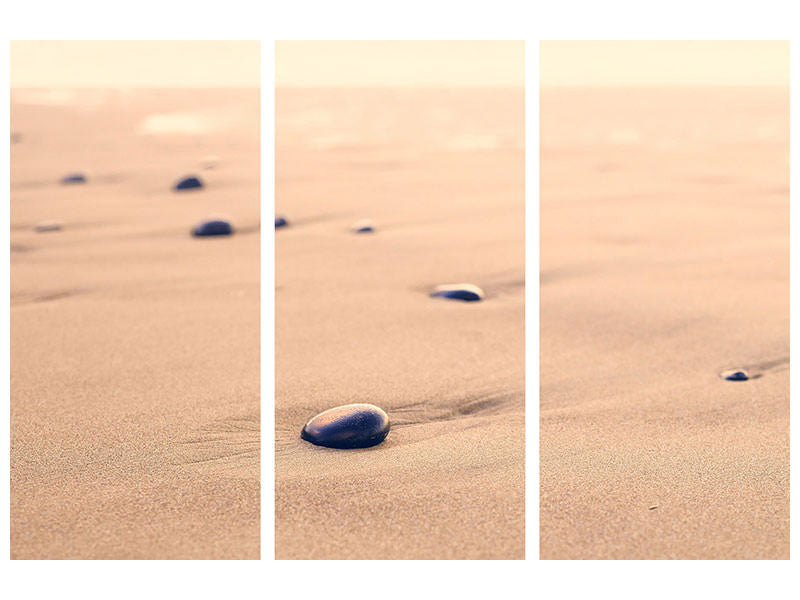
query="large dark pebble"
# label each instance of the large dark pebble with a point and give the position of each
(348, 426)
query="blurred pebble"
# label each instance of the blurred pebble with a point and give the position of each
(47, 226)
(363, 226)
(73, 178)
(213, 227)
(188, 183)
(458, 291)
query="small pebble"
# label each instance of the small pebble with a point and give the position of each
(348, 426)
(209, 162)
(655, 506)
(458, 291)
(213, 227)
(363, 226)
(737, 375)
(280, 222)
(73, 178)
(45, 226)
(188, 183)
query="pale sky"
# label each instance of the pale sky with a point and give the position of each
(606, 63)
(126, 64)
(399, 63)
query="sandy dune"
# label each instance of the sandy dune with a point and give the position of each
(441, 173)
(134, 348)
(665, 261)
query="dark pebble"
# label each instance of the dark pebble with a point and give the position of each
(215, 227)
(458, 291)
(280, 222)
(73, 178)
(188, 183)
(363, 226)
(348, 426)
(735, 375)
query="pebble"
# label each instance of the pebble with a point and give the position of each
(209, 162)
(213, 227)
(458, 291)
(73, 178)
(188, 183)
(280, 222)
(348, 426)
(363, 226)
(47, 226)
(737, 375)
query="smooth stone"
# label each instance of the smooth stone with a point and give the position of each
(280, 222)
(47, 226)
(737, 375)
(458, 291)
(363, 226)
(214, 227)
(348, 426)
(73, 178)
(189, 183)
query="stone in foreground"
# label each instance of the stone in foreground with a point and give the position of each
(737, 375)
(458, 291)
(280, 222)
(73, 178)
(363, 226)
(215, 227)
(188, 183)
(348, 426)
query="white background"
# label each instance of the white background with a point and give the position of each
(410, 19)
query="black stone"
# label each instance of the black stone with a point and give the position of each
(348, 426)
(188, 183)
(736, 375)
(73, 178)
(215, 227)
(280, 222)
(363, 226)
(458, 291)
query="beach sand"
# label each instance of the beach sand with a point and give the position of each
(441, 172)
(134, 347)
(664, 261)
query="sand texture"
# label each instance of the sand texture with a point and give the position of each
(664, 261)
(134, 347)
(441, 172)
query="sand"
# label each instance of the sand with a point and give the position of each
(441, 172)
(134, 347)
(665, 261)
